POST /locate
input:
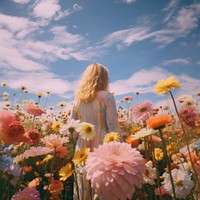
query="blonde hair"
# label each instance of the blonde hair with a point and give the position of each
(94, 79)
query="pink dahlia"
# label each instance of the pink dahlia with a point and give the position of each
(11, 130)
(33, 109)
(114, 170)
(189, 115)
(141, 110)
(27, 193)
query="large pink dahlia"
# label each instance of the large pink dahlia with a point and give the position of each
(114, 170)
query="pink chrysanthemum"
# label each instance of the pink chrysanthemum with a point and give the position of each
(33, 109)
(11, 131)
(27, 193)
(114, 170)
(189, 115)
(141, 110)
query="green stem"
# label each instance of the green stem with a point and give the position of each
(168, 163)
(186, 136)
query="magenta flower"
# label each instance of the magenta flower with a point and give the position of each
(114, 170)
(141, 110)
(28, 194)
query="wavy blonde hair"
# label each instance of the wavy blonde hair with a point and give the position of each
(94, 79)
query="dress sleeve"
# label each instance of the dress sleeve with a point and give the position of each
(111, 114)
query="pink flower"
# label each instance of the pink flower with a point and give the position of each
(29, 193)
(32, 136)
(33, 109)
(141, 110)
(188, 115)
(114, 170)
(61, 151)
(11, 131)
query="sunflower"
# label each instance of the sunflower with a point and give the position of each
(164, 86)
(81, 156)
(66, 171)
(111, 137)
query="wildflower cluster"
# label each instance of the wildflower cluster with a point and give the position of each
(155, 156)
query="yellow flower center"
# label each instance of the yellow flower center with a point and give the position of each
(179, 183)
(88, 129)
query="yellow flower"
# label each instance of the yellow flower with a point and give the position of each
(164, 86)
(158, 153)
(56, 126)
(111, 137)
(87, 131)
(81, 156)
(171, 148)
(47, 158)
(66, 171)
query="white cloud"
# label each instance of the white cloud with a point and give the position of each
(170, 9)
(144, 81)
(37, 81)
(141, 81)
(129, 1)
(46, 9)
(76, 7)
(181, 61)
(21, 1)
(127, 36)
(17, 24)
(62, 37)
(180, 25)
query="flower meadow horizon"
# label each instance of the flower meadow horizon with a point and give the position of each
(155, 155)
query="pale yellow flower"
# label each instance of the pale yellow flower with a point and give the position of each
(56, 126)
(81, 156)
(47, 158)
(164, 86)
(87, 131)
(111, 137)
(158, 153)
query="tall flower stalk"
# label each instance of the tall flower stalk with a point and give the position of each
(186, 139)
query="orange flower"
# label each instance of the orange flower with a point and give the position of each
(27, 169)
(55, 187)
(35, 182)
(158, 121)
(132, 140)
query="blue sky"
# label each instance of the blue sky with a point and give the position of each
(45, 45)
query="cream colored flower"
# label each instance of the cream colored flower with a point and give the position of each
(87, 131)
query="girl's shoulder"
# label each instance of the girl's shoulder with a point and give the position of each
(103, 93)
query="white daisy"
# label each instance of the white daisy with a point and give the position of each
(72, 127)
(144, 133)
(182, 183)
(150, 173)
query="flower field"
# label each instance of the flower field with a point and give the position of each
(155, 156)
